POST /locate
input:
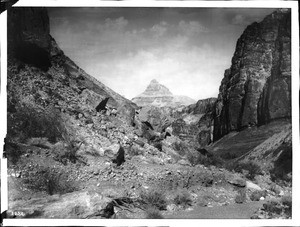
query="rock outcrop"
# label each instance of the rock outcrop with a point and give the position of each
(30, 43)
(194, 123)
(256, 89)
(159, 95)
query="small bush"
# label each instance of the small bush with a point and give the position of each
(153, 214)
(287, 203)
(275, 188)
(180, 147)
(241, 197)
(51, 180)
(256, 195)
(29, 122)
(155, 199)
(13, 152)
(183, 198)
(250, 167)
(202, 202)
(213, 160)
(272, 207)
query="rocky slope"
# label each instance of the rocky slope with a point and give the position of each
(159, 95)
(256, 88)
(30, 43)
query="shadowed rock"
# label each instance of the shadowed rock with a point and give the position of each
(148, 124)
(205, 152)
(119, 159)
(102, 105)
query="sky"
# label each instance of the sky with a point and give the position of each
(185, 49)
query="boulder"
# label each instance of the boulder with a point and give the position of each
(184, 162)
(236, 181)
(112, 150)
(250, 185)
(102, 105)
(127, 113)
(119, 158)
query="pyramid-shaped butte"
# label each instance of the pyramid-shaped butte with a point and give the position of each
(157, 94)
(156, 89)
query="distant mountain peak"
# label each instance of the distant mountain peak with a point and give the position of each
(154, 81)
(157, 94)
(156, 89)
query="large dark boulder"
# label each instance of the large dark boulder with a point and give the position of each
(102, 105)
(256, 88)
(119, 158)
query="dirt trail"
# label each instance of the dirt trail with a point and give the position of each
(231, 211)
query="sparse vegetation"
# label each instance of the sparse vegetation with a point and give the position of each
(256, 195)
(241, 196)
(153, 213)
(13, 152)
(287, 203)
(272, 207)
(183, 198)
(51, 180)
(207, 161)
(250, 168)
(29, 122)
(155, 199)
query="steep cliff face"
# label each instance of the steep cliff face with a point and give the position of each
(194, 123)
(159, 95)
(201, 106)
(28, 36)
(31, 48)
(256, 88)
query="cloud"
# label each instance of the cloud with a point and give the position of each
(239, 20)
(116, 24)
(159, 29)
(191, 27)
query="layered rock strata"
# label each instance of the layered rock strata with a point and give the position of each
(256, 89)
(159, 95)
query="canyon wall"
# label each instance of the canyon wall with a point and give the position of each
(256, 89)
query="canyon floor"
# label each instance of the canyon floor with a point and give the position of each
(144, 186)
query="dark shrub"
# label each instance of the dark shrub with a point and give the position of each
(256, 195)
(183, 198)
(30, 122)
(180, 147)
(153, 214)
(13, 152)
(241, 196)
(68, 152)
(250, 167)
(206, 160)
(51, 180)
(155, 199)
(287, 203)
(272, 207)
